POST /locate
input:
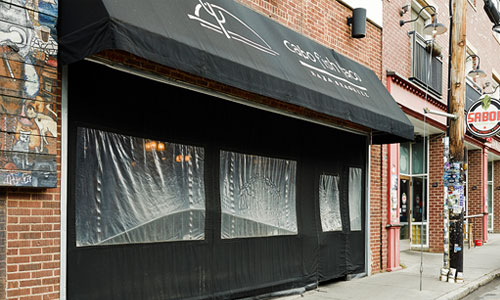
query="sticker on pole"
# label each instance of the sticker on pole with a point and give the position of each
(483, 117)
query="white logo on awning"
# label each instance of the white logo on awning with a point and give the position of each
(221, 15)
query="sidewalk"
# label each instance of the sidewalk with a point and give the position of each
(481, 265)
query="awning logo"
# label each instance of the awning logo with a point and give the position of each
(323, 68)
(483, 117)
(229, 25)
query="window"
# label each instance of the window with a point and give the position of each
(427, 65)
(329, 203)
(355, 196)
(257, 196)
(134, 190)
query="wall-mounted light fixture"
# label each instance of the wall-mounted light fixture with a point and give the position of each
(404, 9)
(476, 72)
(493, 14)
(434, 28)
(496, 28)
(358, 22)
(487, 84)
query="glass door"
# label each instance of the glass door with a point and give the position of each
(413, 192)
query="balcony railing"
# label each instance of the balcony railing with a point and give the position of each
(420, 65)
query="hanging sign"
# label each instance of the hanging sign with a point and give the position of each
(483, 117)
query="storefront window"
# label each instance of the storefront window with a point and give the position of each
(418, 158)
(134, 190)
(355, 194)
(329, 203)
(404, 161)
(257, 196)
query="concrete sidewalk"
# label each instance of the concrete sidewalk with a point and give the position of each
(481, 265)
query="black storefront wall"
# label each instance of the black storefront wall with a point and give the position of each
(226, 42)
(229, 43)
(112, 101)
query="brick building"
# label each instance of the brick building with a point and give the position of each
(113, 93)
(407, 56)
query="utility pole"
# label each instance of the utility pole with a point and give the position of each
(455, 191)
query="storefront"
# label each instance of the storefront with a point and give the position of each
(174, 191)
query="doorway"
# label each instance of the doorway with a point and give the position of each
(413, 192)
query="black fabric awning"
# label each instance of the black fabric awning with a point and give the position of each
(227, 42)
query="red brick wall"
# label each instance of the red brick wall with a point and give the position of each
(436, 194)
(378, 208)
(496, 197)
(475, 190)
(3, 241)
(33, 229)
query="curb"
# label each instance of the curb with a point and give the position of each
(470, 287)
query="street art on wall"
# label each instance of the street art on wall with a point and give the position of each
(28, 87)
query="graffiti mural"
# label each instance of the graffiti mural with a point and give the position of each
(28, 93)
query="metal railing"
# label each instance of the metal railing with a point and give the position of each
(420, 64)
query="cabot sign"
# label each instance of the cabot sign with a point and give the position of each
(483, 117)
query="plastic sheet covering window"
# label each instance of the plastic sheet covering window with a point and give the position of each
(257, 196)
(134, 190)
(329, 203)
(355, 190)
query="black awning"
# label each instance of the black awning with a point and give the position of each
(227, 42)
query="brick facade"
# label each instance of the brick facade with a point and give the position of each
(496, 197)
(378, 208)
(397, 57)
(436, 193)
(475, 190)
(3, 242)
(33, 246)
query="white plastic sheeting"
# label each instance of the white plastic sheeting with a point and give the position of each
(329, 203)
(355, 190)
(133, 190)
(257, 196)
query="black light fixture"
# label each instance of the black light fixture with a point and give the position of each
(434, 28)
(358, 22)
(492, 11)
(493, 14)
(496, 28)
(476, 72)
